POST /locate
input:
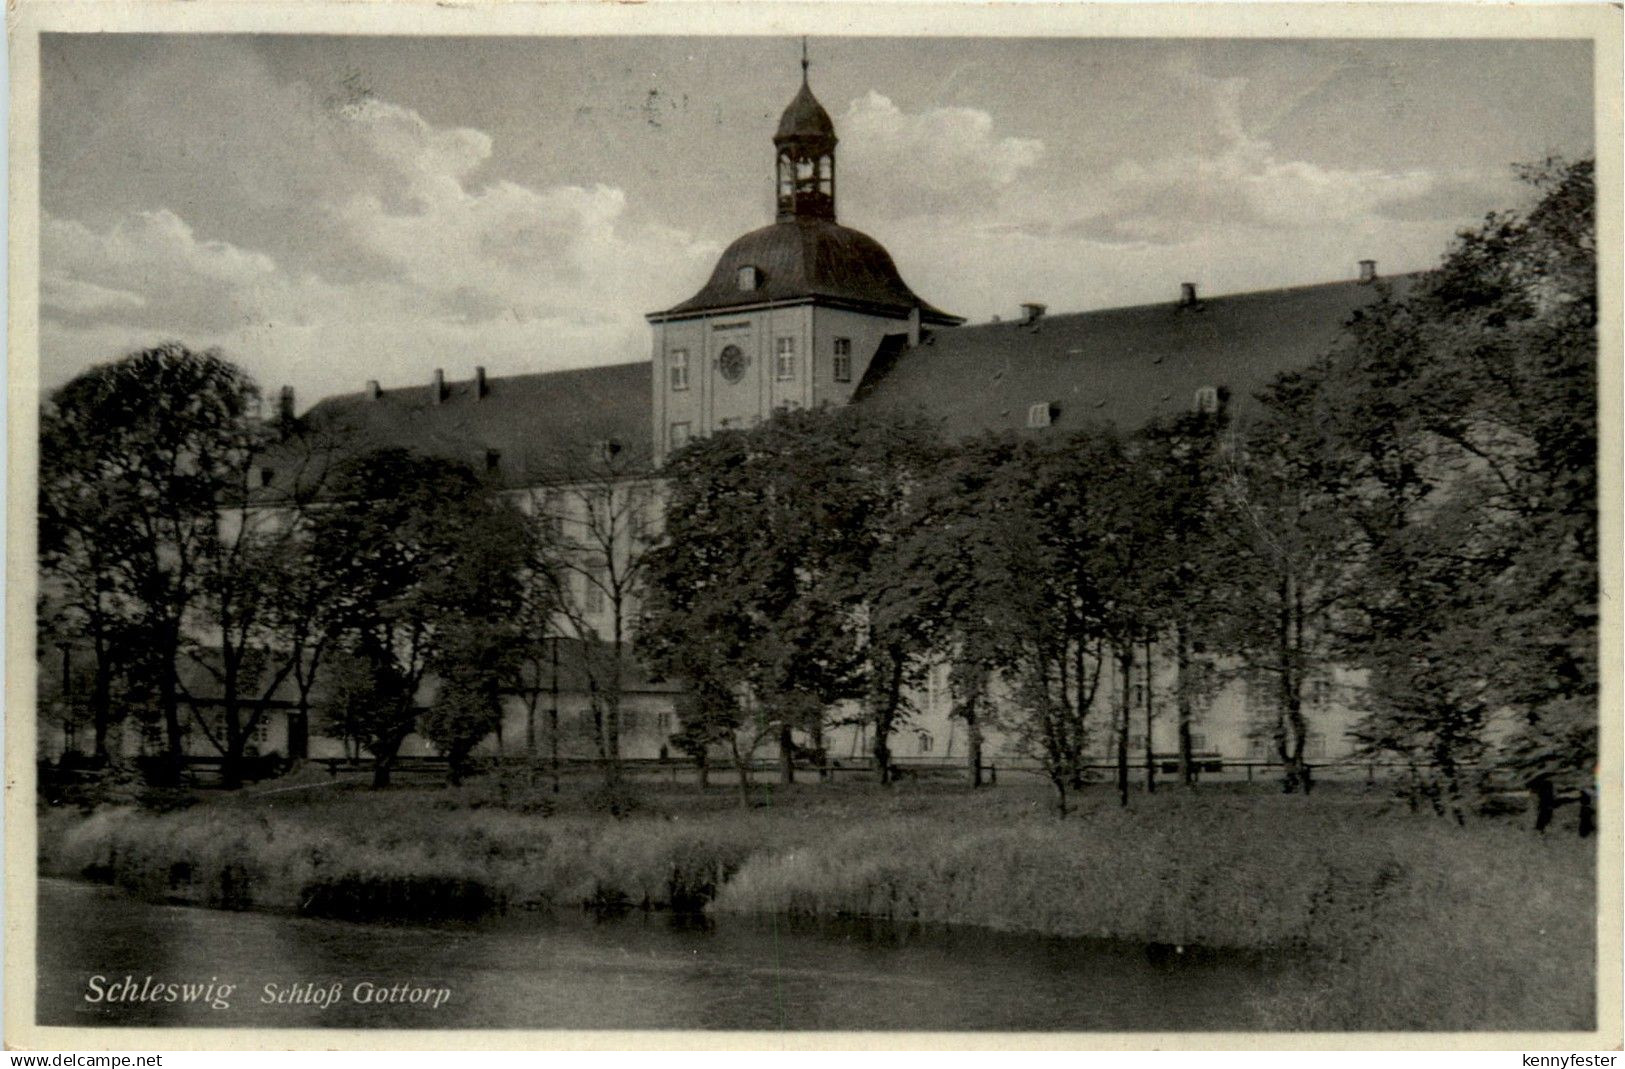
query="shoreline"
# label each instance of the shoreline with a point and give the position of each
(1420, 921)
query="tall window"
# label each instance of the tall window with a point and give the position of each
(1038, 414)
(843, 359)
(679, 434)
(679, 369)
(595, 581)
(1207, 399)
(785, 367)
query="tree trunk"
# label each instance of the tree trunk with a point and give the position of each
(1289, 713)
(170, 703)
(787, 764)
(973, 740)
(1125, 660)
(383, 760)
(1150, 716)
(101, 697)
(744, 774)
(299, 732)
(885, 715)
(702, 768)
(553, 719)
(1182, 696)
(1059, 780)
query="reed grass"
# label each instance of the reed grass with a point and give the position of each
(1405, 921)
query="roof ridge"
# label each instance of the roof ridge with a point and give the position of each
(1174, 305)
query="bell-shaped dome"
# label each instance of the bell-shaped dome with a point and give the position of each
(809, 259)
(805, 120)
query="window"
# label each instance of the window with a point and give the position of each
(595, 581)
(679, 434)
(843, 359)
(1198, 742)
(679, 369)
(1136, 743)
(1314, 745)
(1207, 399)
(629, 721)
(748, 278)
(493, 460)
(1039, 414)
(785, 366)
(926, 742)
(550, 507)
(267, 475)
(663, 722)
(1139, 694)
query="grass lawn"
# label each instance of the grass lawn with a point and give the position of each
(1416, 922)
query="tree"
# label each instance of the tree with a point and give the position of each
(591, 525)
(262, 608)
(779, 546)
(1286, 545)
(1182, 457)
(467, 705)
(421, 552)
(1011, 560)
(135, 458)
(1467, 409)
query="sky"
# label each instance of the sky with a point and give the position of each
(329, 210)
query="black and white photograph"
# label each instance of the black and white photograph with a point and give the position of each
(846, 523)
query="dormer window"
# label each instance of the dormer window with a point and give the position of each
(1207, 399)
(749, 278)
(1040, 413)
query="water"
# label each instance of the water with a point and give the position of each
(538, 971)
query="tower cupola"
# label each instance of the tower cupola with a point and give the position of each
(805, 145)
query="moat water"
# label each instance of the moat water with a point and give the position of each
(108, 959)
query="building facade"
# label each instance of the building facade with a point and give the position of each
(806, 312)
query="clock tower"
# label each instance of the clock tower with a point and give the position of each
(794, 313)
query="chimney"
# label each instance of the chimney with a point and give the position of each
(1368, 271)
(1187, 294)
(284, 404)
(1031, 311)
(439, 385)
(373, 390)
(479, 383)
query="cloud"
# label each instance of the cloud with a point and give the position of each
(939, 161)
(76, 297)
(433, 267)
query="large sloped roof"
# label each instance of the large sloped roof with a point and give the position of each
(534, 424)
(1120, 366)
(803, 258)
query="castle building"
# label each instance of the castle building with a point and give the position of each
(808, 312)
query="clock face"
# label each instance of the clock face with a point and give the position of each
(732, 362)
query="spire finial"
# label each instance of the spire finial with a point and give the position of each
(804, 61)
